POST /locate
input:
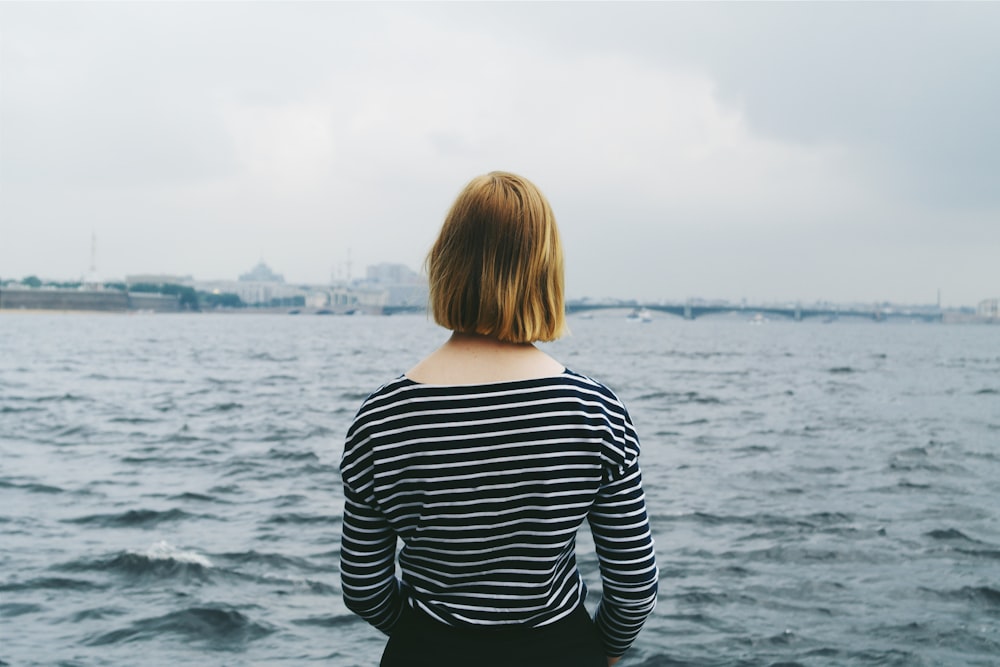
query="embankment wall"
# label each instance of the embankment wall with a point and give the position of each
(96, 300)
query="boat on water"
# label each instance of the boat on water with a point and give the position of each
(640, 315)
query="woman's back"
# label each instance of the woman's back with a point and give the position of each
(486, 458)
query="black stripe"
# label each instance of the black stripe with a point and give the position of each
(486, 485)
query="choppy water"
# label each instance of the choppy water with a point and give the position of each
(820, 494)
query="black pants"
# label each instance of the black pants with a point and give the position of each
(420, 641)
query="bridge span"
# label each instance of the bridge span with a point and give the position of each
(691, 311)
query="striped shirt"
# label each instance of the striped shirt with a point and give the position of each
(486, 486)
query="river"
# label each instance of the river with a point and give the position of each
(820, 494)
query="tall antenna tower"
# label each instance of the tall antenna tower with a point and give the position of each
(92, 273)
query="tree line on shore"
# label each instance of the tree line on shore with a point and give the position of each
(187, 297)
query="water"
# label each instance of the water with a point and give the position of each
(820, 494)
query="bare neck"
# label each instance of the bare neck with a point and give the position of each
(475, 359)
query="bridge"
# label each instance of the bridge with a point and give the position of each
(691, 310)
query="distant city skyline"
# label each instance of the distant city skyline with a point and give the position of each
(770, 151)
(386, 273)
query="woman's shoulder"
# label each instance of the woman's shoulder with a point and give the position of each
(386, 391)
(596, 385)
(403, 392)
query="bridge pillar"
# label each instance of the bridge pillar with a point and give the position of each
(798, 312)
(687, 311)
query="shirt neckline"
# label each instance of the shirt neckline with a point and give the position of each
(565, 372)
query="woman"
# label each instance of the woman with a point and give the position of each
(486, 457)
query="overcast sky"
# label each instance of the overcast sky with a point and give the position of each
(848, 152)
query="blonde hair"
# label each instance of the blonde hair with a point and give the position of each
(496, 268)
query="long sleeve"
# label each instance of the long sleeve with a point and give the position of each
(624, 543)
(367, 559)
(484, 487)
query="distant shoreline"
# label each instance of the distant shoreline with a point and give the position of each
(949, 318)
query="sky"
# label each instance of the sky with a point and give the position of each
(847, 152)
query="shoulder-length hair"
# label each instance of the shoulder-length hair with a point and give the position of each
(496, 268)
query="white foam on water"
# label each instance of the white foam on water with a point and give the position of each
(163, 550)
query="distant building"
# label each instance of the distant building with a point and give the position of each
(158, 279)
(260, 286)
(261, 273)
(399, 284)
(989, 308)
(392, 274)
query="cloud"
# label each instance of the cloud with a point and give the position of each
(709, 149)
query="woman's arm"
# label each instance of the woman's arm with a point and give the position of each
(368, 564)
(624, 547)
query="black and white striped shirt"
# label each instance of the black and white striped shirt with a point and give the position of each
(486, 486)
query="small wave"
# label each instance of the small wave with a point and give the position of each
(841, 370)
(718, 519)
(992, 554)
(95, 614)
(166, 460)
(30, 487)
(680, 397)
(829, 517)
(59, 398)
(950, 468)
(265, 356)
(11, 609)
(226, 488)
(72, 430)
(163, 550)
(987, 392)
(310, 469)
(283, 585)
(51, 583)
(140, 566)
(271, 560)
(288, 455)
(290, 500)
(980, 594)
(304, 519)
(179, 437)
(754, 449)
(702, 597)
(783, 638)
(328, 621)
(6, 409)
(276, 379)
(220, 627)
(197, 497)
(133, 420)
(132, 518)
(159, 560)
(948, 534)
(224, 407)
